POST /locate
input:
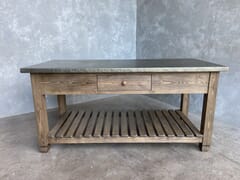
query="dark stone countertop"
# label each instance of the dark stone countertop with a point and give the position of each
(124, 66)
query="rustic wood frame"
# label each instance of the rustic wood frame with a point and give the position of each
(183, 83)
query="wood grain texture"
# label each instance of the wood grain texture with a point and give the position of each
(130, 126)
(99, 125)
(127, 82)
(124, 124)
(132, 83)
(180, 83)
(91, 125)
(82, 126)
(175, 127)
(99, 140)
(107, 125)
(62, 84)
(41, 113)
(185, 103)
(66, 125)
(59, 124)
(189, 124)
(181, 123)
(73, 128)
(140, 124)
(116, 124)
(166, 126)
(62, 106)
(157, 124)
(209, 103)
(150, 126)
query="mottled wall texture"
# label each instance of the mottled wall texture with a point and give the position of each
(33, 31)
(205, 29)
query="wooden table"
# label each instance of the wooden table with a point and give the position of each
(163, 76)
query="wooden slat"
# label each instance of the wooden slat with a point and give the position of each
(132, 124)
(173, 124)
(83, 124)
(99, 125)
(163, 139)
(74, 125)
(148, 123)
(115, 125)
(59, 124)
(165, 124)
(140, 124)
(181, 123)
(91, 124)
(124, 124)
(66, 125)
(157, 125)
(190, 124)
(107, 125)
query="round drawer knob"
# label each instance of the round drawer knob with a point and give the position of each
(124, 83)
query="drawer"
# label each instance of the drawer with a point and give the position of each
(175, 83)
(69, 83)
(120, 82)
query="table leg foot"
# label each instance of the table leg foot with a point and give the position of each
(204, 148)
(44, 149)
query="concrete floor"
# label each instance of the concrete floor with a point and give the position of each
(20, 159)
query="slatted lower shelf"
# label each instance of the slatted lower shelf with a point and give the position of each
(153, 126)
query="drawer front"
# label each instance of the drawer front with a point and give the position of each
(119, 82)
(171, 83)
(69, 83)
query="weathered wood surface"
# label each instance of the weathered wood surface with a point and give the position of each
(41, 114)
(185, 103)
(135, 83)
(68, 83)
(128, 82)
(175, 83)
(143, 126)
(176, 76)
(62, 106)
(209, 103)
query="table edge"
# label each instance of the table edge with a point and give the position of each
(127, 70)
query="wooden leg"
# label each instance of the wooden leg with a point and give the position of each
(44, 149)
(209, 102)
(204, 148)
(41, 113)
(185, 103)
(62, 107)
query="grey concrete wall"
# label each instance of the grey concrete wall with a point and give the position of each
(36, 31)
(206, 29)
(33, 31)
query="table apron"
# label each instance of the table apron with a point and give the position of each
(125, 83)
